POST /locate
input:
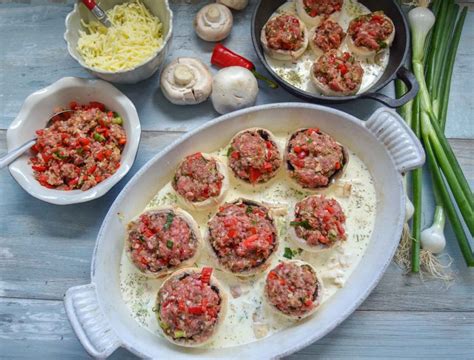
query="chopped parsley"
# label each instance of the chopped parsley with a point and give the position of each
(141, 238)
(230, 150)
(289, 253)
(249, 210)
(169, 220)
(169, 244)
(304, 224)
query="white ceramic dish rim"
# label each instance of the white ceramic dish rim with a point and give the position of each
(403, 153)
(18, 128)
(106, 72)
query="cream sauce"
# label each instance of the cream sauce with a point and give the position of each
(297, 73)
(247, 318)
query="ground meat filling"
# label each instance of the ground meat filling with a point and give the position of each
(284, 32)
(328, 35)
(371, 31)
(189, 307)
(340, 72)
(197, 178)
(319, 220)
(292, 288)
(313, 158)
(254, 157)
(80, 149)
(322, 7)
(242, 235)
(160, 240)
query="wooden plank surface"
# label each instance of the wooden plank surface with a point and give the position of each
(40, 257)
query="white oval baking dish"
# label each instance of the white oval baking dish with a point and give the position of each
(101, 319)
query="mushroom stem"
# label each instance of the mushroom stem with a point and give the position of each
(183, 75)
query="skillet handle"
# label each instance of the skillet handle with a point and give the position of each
(402, 144)
(89, 322)
(409, 79)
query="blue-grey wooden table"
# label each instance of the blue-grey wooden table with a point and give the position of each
(45, 249)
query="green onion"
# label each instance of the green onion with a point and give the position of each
(117, 120)
(98, 137)
(179, 334)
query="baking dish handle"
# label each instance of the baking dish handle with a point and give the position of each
(89, 322)
(409, 80)
(402, 144)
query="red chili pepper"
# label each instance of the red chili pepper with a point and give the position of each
(223, 57)
(206, 273)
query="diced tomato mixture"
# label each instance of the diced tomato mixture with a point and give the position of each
(284, 32)
(313, 158)
(80, 149)
(371, 30)
(189, 307)
(253, 156)
(340, 72)
(198, 178)
(328, 35)
(322, 7)
(319, 221)
(160, 240)
(242, 235)
(292, 288)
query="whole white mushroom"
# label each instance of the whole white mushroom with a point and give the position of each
(234, 4)
(213, 22)
(233, 88)
(186, 81)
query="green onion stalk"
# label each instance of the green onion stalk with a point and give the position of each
(429, 111)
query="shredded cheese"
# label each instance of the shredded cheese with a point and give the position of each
(135, 36)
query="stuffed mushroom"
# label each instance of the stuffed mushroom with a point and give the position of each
(312, 12)
(254, 156)
(293, 290)
(318, 223)
(162, 240)
(370, 34)
(337, 74)
(201, 181)
(191, 305)
(326, 36)
(314, 159)
(284, 37)
(213, 22)
(243, 237)
(186, 81)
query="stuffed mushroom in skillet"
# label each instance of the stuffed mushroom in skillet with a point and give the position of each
(163, 240)
(318, 223)
(201, 181)
(191, 305)
(243, 237)
(312, 12)
(314, 159)
(253, 156)
(328, 35)
(293, 289)
(284, 37)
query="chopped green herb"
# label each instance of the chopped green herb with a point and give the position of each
(80, 150)
(249, 210)
(304, 224)
(98, 137)
(230, 150)
(142, 238)
(164, 325)
(117, 120)
(179, 334)
(288, 253)
(59, 155)
(169, 244)
(169, 220)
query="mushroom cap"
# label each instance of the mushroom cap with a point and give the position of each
(220, 319)
(279, 54)
(325, 89)
(213, 201)
(213, 22)
(362, 51)
(195, 230)
(234, 88)
(234, 4)
(257, 269)
(312, 20)
(317, 301)
(186, 81)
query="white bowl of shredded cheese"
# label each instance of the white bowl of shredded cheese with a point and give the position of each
(130, 51)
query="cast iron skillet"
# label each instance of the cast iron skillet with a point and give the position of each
(394, 70)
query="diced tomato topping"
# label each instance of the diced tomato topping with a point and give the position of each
(196, 310)
(337, 165)
(206, 273)
(98, 105)
(84, 141)
(308, 302)
(313, 131)
(272, 275)
(34, 148)
(232, 233)
(250, 240)
(269, 144)
(92, 169)
(254, 174)
(299, 163)
(39, 168)
(73, 181)
(343, 69)
(230, 221)
(99, 156)
(181, 305)
(235, 155)
(297, 149)
(267, 166)
(122, 141)
(148, 233)
(323, 240)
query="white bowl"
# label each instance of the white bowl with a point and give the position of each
(159, 8)
(35, 113)
(97, 311)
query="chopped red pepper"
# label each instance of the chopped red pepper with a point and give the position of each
(254, 175)
(206, 273)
